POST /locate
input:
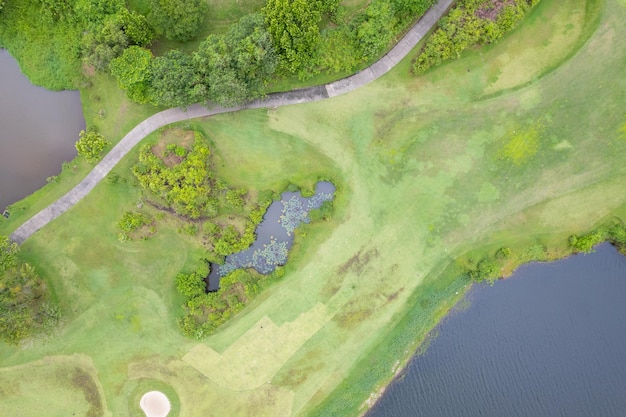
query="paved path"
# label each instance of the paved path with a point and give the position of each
(305, 95)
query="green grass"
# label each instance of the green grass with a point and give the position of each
(434, 173)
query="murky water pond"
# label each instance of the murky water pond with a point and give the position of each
(274, 235)
(549, 341)
(38, 129)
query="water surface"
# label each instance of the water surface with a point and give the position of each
(274, 235)
(549, 341)
(38, 129)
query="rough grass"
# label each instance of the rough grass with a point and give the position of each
(424, 190)
(54, 386)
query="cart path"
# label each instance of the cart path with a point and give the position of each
(166, 117)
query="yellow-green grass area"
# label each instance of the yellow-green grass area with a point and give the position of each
(433, 172)
(54, 386)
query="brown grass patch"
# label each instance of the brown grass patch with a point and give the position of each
(491, 10)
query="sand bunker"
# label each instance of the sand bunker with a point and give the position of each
(155, 404)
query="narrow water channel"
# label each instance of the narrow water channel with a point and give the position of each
(549, 341)
(38, 129)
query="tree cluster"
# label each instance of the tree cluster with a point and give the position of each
(178, 20)
(469, 23)
(305, 48)
(226, 69)
(24, 305)
(186, 187)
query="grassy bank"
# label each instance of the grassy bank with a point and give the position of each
(434, 172)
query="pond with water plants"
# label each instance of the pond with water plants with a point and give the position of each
(275, 234)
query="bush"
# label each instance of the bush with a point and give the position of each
(503, 253)
(130, 224)
(585, 243)
(464, 27)
(486, 269)
(90, 145)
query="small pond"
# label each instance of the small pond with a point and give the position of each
(549, 341)
(38, 129)
(274, 235)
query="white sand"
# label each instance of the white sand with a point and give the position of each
(155, 404)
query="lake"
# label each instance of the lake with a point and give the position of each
(549, 341)
(38, 129)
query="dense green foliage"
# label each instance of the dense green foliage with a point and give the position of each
(471, 22)
(174, 81)
(186, 186)
(376, 29)
(294, 27)
(226, 69)
(24, 306)
(131, 70)
(90, 145)
(207, 311)
(234, 67)
(304, 37)
(178, 20)
(103, 43)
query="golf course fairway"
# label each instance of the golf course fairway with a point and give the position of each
(518, 144)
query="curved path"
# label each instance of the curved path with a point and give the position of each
(305, 95)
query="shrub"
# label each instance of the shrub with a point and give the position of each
(131, 222)
(503, 253)
(90, 145)
(486, 269)
(464, 27)
(585, 243)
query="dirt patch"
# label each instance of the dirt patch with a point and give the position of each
(358, 262)
(178, 137)
(89, 70)
(81, 380)
(491, 9)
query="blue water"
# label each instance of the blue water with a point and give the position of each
(549, 341)
(274, 235)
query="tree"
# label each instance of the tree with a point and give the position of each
(377, 29)
(251, 52)
(90, 145)
(135, 26)
(132, 71)
(175, 82)
(8, 252)
(407, 9)
(178, 20)
(102, 45)
(233, 68)
(93, 12)
(293, 25)
(190, 285)
(57, 9)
